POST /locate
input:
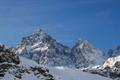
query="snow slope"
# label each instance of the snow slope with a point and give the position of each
(27, 62)
(60, 73)
(25, 77)
(63, 73)
(27, 70)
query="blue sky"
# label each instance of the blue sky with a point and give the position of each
(66, 20)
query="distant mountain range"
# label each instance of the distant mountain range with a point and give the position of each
(45, 50)
(39, 57)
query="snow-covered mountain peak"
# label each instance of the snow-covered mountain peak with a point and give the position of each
(45, 50)
(35, 37)
(81, 43)
(86, 47)
(40, 33)
(86, 54)
(113, 52)
(84, 44)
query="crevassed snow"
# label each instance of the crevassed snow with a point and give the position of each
(63, 73)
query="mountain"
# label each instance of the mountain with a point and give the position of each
(113, 52)
(86, 54)
(45, 50)
(113, 57)
(112, 61)
(110, 68)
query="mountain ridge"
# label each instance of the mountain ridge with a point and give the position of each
(41, 47)
(39, 52)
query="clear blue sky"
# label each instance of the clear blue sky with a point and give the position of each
(66, 20)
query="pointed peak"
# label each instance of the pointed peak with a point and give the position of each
(38, 31)
(38, 36)
(81, 41)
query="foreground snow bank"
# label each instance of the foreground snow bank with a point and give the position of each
(63, 73)
(59, 73)
(25, 77)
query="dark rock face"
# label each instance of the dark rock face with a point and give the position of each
(7, 59)
(9, 64)
(40, 72)
(117, 64)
